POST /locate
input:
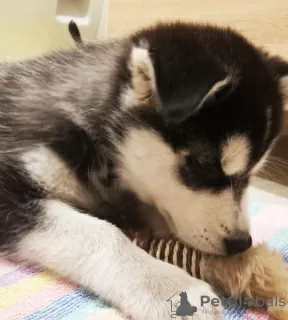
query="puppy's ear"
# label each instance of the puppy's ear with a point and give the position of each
(280, 68)
(187, 82)
(189, 102)
(142, 88)
(175, 94)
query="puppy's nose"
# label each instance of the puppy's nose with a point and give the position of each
(238, 244)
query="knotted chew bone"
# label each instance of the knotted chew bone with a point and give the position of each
(258, 273)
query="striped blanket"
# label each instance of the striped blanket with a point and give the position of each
(35, 294)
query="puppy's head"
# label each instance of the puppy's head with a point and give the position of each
(205, 107)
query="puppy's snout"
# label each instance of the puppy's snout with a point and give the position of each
(238, 244)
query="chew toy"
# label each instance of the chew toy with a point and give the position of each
(255, 276)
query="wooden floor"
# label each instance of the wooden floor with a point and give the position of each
(265, 22)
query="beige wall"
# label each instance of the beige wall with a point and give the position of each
(263, 21)
(32, 27)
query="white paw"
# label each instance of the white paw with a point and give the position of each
(208, 304)
(158, 296)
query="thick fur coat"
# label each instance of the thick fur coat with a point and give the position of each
(162, 129)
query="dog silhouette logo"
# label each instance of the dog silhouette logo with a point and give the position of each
(182, 307)
(185, 308)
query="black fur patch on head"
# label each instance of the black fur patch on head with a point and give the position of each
(170, 44)
(188, 59)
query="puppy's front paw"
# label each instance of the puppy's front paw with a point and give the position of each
(168, 292)
(208, 305)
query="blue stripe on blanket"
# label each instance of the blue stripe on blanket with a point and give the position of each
(62, 306)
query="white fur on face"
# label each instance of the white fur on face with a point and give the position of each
(149, 167)
(235, 155)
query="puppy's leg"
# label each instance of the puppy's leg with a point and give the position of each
(98, 256)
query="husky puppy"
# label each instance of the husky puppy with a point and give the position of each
(162, 129)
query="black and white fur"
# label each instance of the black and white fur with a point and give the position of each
(162, 129)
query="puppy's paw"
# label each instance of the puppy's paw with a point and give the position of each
(205, 300)
(167, 291)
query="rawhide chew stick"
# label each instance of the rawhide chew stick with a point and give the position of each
(259, 273)
(176, 253)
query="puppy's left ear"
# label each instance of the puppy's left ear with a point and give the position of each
(280, 68)
(184, 104)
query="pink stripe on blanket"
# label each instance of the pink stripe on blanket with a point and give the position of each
(264, 225)
(36, 302)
